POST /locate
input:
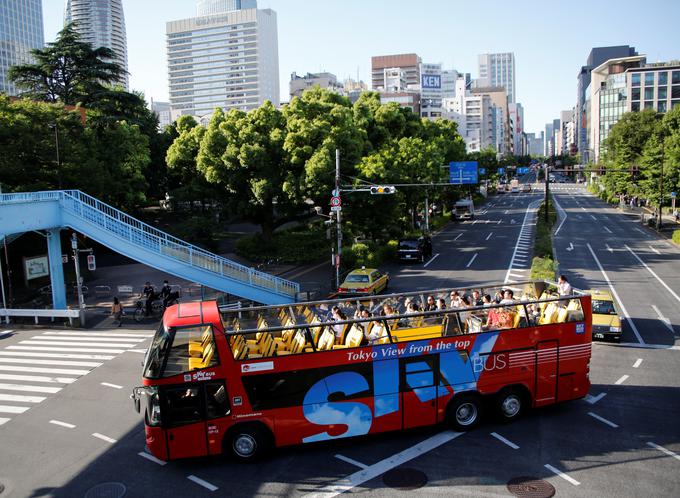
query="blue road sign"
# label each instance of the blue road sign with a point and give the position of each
(482, 171)
(463, 173)
(522, 171)
(501, 171)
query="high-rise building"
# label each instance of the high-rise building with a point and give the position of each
(162, 110)
(227, 59)
(101, 23)
(535, 144)
(516, 115)
(21, 30)
(498, 70)
(501, 121)
(597, 56)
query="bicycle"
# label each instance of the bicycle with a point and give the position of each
(157, 308)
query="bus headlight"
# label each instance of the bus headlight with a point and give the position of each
(614, 329)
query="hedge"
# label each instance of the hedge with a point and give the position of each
(676, 236)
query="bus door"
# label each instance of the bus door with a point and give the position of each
(182, 414)
(419, 390)
(546, 372)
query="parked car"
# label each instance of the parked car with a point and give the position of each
(606, 319)
(364, 281)
(415, 249)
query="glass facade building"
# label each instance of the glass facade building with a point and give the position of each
(613, 103)
(21, 30)
(101, 23)
(228, 60)
(654, 87)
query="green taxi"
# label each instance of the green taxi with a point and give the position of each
(606, 319)
(363, 282)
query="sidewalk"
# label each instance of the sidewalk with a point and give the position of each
(668, 226)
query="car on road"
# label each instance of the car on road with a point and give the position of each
(364, 281)
(415, 249)
(463, 209)
(606, 318)
(526, 187)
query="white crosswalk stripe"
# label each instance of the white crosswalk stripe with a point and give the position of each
(48, 362)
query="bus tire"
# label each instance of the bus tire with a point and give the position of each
(464, 412)
(247, 442)
(510, 404)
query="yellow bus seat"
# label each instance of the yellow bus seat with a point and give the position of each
(297, 345)
(267, 347)
(326, 340)
(562, 315)
(574, 305)
(284, 341)
(196, 347)
(204, 361)
(353, 338)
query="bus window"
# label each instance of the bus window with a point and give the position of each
(181, 405)
(217, 401)
(279, 390)
(153, 361)
(186, 341)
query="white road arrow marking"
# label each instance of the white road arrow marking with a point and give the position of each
(655, 250)
(609, 248)
(571, 247)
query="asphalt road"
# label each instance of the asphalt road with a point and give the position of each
(80, 430)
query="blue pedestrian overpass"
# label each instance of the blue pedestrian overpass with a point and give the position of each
(53, 211)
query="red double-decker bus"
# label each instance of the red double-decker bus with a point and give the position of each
(244, 381)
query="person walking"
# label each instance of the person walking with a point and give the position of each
(117, 311)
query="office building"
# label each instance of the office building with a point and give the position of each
(516, 116)
(597, 56)
(298, 84)
(162, 110)
(408, 63)
(498, 70)
(226, 59)
(548, 141)
(501, 130)
(653, 86)
(101, 23)
(21, 30)
(430, 91)
(535, 145)
(209, 7)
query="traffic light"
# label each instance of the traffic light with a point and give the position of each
(383, 189)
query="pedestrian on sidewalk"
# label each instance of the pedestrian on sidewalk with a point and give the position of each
(117, 311)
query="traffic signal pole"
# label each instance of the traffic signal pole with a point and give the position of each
(338, 229)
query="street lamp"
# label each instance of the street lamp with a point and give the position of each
(56, 139)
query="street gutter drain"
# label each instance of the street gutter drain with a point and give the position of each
(405, 478)
(530, 487)
(107, 490)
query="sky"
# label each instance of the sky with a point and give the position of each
(551, 39)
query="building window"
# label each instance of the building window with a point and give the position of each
(661, 106)
(635, 93)
(635, 106)
(663, 93)
(635, 79)
(675, 92)
(663, 78)
(674, 103)
(649, 104)
(675, 79)
(649, 93)
(649, 79)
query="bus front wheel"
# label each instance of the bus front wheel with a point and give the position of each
(464, 412)
(247, 443)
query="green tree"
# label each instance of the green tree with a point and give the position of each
(68, 70)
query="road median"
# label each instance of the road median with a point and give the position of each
(544, 266)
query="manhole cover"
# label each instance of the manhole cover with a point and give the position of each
(530, 487)
(107, 490)
(405, 479)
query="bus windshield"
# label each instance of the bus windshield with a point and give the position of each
(153, 363)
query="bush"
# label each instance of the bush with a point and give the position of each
(676, 236)
(297, 246)
(543, 269)
(199, 231)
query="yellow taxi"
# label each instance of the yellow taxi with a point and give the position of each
(606, 319)
(364, 281)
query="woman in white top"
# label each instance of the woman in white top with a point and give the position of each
(563, 286)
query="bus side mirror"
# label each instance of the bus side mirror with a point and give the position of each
(135, 397)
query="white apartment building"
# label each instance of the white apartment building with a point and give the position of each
(226, 59)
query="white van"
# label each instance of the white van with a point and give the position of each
(464, 209)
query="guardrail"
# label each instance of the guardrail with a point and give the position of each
(70, 314)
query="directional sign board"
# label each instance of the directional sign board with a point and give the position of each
(463, 173)
(673, 195)
(522, 171)
(482, 171)
(501, 171)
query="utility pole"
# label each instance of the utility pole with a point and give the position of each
(338, 228)
(546, 191)
(660, 221)
(74, 246)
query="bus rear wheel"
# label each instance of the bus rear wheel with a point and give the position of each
(509, 404)
(247, 443)
(464, 412)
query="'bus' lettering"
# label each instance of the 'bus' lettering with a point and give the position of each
(356, 416)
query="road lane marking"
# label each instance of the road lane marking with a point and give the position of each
(564, 216)
(151, 458)
(13, 409)
(594, 399)
(607, 229)
(67, 350)
(62, 424)
(571, 247)
(5, 332)
(4, 420)
(489, 236)
(63, 371)
(603, 420)
(505, 212)
(85, 339)
(379, 468)
(637, 363)
(62, 363)
(115, 386)
(104, 438)
(201, 482)
(506, 441)
(351, 461)
(641, 231)
(431, 260)
(663, 319)
(142, 351)
(663, 450)
(654, 274)
(616, 295)
(458, 236)
(85, 344)
(609, 248)
(18, 398)
(593, 217)
(654, 249)
(57, 355)
(29, 389)
(470, 263)
(38, 378)
(561, 474)
(583, 208)
(621, 380)
(643, 346)
(100, 334)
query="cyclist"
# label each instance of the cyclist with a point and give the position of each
(149, 294)
(166, 293)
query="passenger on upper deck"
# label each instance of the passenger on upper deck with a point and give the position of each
(337, 315)
(456, 300)
(476, 298)
(441, 303)
(563, 286)
(508, 297)
(431, 304)
(486, 300)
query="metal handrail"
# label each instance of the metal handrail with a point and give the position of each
(139, 233)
